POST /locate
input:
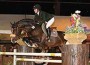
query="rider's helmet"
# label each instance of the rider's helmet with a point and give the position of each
(37, 6)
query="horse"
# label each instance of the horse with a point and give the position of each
(28, 28)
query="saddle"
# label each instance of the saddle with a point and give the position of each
(54, 32)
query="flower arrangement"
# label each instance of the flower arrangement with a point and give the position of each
(75, 34)
(73, 29)
(76, 26)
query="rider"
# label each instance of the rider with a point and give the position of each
(44, 19)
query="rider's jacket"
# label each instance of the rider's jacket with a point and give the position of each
(43, 17)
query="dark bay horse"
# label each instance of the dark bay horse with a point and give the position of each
(29, 29)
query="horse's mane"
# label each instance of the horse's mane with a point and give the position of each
(22, 22)
(26, 22)
(37, 26)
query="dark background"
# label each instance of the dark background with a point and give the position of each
(56, 7)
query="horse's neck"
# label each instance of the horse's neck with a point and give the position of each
(39, 29)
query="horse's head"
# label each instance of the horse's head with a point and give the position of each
(21, 29)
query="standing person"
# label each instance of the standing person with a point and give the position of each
(44, 19)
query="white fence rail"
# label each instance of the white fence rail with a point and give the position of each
(39, 60)
(15, 59)
(31, 54)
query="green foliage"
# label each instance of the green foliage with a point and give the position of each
(73, 29)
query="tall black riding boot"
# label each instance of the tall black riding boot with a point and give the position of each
(48, 33)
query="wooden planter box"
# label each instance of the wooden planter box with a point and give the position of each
(75, 38)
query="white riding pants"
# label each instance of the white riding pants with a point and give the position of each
(50, 22)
